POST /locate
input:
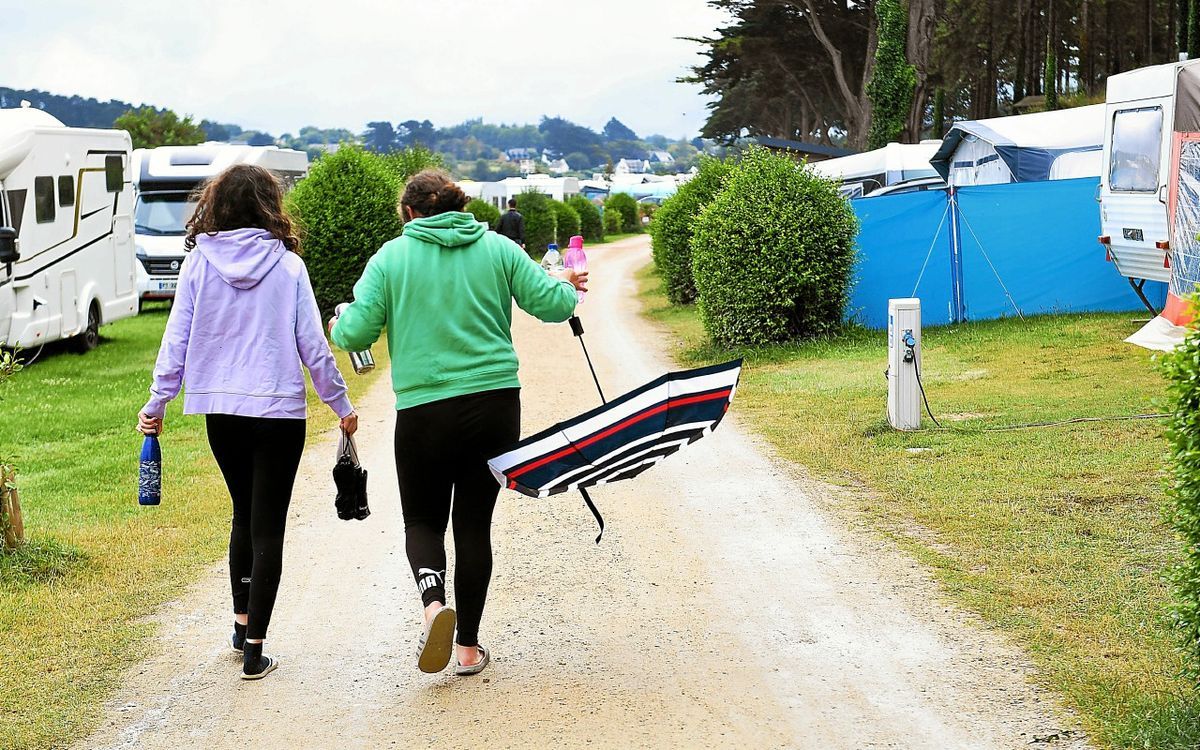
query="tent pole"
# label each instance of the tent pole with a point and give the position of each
(577, 329)
(958, 311)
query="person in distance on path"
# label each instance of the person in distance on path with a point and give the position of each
(243, 324)
(512, 224)
(444, 290)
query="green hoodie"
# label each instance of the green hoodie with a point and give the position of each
(444, 291)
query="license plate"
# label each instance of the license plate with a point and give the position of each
(167, 286)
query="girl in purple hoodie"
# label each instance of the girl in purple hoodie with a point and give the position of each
(243, 323)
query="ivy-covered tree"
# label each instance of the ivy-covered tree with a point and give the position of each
(150, 128)
(892, 79)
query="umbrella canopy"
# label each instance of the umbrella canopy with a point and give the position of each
(624, 437)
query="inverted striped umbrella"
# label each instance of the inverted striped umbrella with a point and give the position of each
(622, 438)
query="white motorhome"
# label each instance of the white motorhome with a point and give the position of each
(1140, 122)
(166, 180)
(66, 230)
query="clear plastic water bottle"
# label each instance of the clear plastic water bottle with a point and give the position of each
(150, 472)
(576, 260)
(362, 362)
(552, 260)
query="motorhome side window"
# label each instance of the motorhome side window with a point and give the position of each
(1136, 144)
(43, 199)
(66, 191)
(114, 173)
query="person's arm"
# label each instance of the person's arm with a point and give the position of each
(168, 368)
(546, 298)
(359, 325)
(314, 350)
(520, 230)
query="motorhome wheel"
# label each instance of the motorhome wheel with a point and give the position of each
(89, 338)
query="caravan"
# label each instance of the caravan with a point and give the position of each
(167, 177)
(1144, 108)
(66, 231)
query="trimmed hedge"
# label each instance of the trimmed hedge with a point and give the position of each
(567, 221)
(346, 208)
(541, 221)
(675, 223)
(772, 254)
(485, 212)
(630, 221)
(612, 221)
(408, 161)
(591, 226)
(1182, 370)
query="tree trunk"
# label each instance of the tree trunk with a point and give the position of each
(921, 23)
(10, 508)
(1085, 50)
(858, 107)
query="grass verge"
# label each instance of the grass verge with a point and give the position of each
(1053, 534)
(74, 601)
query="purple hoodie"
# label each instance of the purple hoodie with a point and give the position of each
(243, 322)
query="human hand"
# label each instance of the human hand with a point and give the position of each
(350, 423)
(577, 279)
(148, 425)
(332, 322)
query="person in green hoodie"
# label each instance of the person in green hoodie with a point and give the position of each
(444, 291)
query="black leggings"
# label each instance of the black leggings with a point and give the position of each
(259, 458)
(442, 448)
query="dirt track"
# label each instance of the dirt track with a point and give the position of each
(727, 606)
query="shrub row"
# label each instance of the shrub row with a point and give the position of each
(590, 224)
(627, 206)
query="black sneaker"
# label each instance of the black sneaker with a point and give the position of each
(237, 640)
(255, 664)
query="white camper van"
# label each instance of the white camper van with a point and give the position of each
(1140, 122)
(66, 230)
(166, 178)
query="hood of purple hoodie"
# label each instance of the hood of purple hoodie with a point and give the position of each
(241, 257)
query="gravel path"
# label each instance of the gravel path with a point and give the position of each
(728, 605)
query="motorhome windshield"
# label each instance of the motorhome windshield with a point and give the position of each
(1136, 147)
(163, 213)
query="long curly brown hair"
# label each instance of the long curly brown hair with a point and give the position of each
(243, 196)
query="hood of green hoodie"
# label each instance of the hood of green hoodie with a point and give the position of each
(451, 229)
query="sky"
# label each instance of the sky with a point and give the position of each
(277, 66)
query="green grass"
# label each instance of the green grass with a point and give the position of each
(1054, 534)
(73, 602)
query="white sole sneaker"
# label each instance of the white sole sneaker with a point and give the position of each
(272, 663)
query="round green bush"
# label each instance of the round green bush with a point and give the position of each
(625, 203)
(541, 222)
(772, 254)
(612, 221)
(566, 220)
(346, 209)
(674, 225)
(590, 224)
(485, 212)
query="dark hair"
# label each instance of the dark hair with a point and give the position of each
(512, 202)
(243, 196)
(431, 192)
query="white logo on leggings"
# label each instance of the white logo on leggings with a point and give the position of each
(427, 578)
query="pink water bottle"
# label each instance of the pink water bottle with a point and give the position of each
(576, 260)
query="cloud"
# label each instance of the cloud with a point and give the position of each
(278, 66)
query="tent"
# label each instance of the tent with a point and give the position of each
(895, 162)
(1023, 148)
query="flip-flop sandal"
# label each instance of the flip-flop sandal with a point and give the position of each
(272, 663)
(484, 659)
(437, 643)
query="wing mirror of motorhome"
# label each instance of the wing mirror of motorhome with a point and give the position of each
(10, 249)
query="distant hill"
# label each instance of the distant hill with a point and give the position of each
(78, 112)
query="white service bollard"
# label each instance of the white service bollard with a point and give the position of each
(904, 360)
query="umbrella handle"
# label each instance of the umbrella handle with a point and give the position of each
(592, 507)
(577, 329)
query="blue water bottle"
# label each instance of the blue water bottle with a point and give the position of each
(150, 472)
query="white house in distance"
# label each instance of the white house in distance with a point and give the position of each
(632, 166)
(498, 193)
